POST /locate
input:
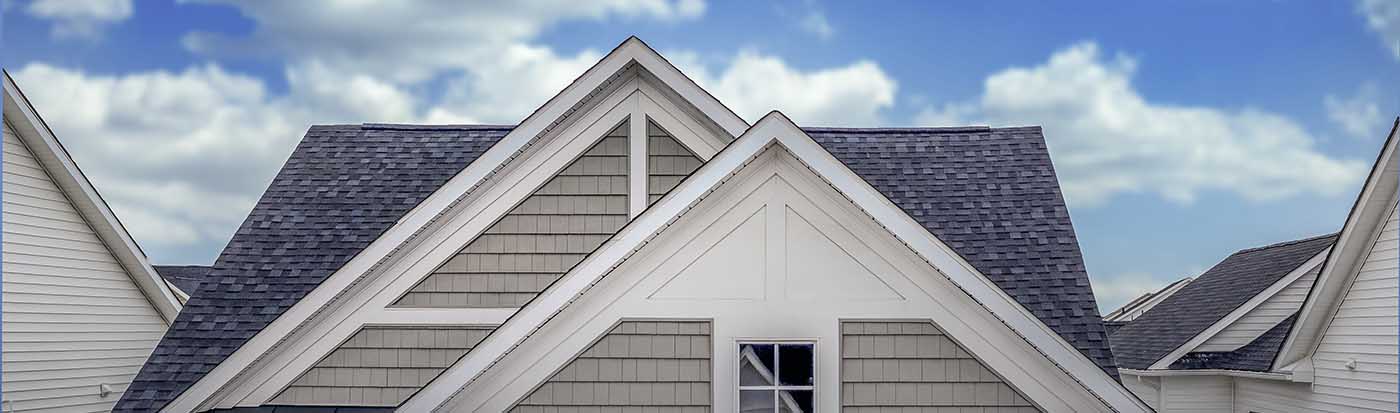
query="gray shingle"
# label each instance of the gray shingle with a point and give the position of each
(1209, 298)
(990, 194)
(1258, 355)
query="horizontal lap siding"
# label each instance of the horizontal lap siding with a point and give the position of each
(915, 367)
(643, 366)
(540, 239)
(1264, 317)
(74, 319)
(381, 366)
(1364, 329)
(668, 162)
(1202, 394)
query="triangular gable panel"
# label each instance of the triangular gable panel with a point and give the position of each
(774, 168)
(632, 82)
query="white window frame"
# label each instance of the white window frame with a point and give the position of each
(777, 388)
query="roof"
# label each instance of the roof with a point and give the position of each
(31, 129)
(185, 277)
(1209, 298)
(990, 194)
(1258, 355)
(1144, 302)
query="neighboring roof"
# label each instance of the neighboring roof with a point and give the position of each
(1145, 302)
(990, 194)
(185, 277)
(1258, 355)
(1111, 326)
(1209, 298)
(30, 128)
(1374, 205)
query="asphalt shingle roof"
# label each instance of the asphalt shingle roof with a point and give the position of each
(1258, 355)
(990, 194)
(185, 277)
(1209, 298)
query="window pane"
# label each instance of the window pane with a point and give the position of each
(755, 364)
(795, 365)
(756, 401)
(795, 401)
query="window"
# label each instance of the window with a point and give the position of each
(776, 377)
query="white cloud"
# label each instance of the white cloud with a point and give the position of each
(182, 156)
(1107, 139)
(1383, 17)
(752, 84)
(80, 18)
(1358, 115)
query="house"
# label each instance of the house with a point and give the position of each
(1305, 325)
(633, 245)
(82, 306)
(1135, 308)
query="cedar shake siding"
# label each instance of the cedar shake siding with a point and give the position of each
(539, 240)
(381, 366)
(668, 162)
(913, 367)
(644, 366)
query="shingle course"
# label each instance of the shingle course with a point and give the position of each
(990, 194)
(185, 277)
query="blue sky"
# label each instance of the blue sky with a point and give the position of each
(1182, 131)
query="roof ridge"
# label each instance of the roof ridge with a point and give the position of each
(410, 126)
(1286, 243)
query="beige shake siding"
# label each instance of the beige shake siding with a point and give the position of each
(642, 366)
(540, 239)
(74, 318)
(381, 366)
(668, 162)
(913, 367)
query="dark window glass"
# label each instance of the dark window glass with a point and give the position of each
(795, 365)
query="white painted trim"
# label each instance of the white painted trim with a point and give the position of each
(470, 197)
(1239, 312)
(31, 129)
(1124, 314)
(773, 128)
(1209, 372)
(636, 158)
(1364, 222)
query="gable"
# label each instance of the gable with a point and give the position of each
(1268, 314)
(74, 317)
(777, 188)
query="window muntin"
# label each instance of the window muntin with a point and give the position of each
(777, 377)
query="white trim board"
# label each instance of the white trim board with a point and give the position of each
(1373, 206)
(1239, 312)
(467, 204)
(772, 129)
(36, 135)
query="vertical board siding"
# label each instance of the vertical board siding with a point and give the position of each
(1264, 317)
(74, 319)
(668, 162)
(914, 367)
(540, 239)
(1197, 394)
(642, 366)
(381, 366)
(1364, 330)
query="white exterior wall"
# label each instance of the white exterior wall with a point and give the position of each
(1364, 329)
(1200, 394)
(73, 317)
(1264, 317)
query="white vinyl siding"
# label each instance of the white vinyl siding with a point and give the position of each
(73, 317)
(1264, 317)
(1364, 329)
(1146, 388)
(1201, 394)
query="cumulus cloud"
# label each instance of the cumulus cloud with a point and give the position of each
(182, 156)
(752, 84)
(1357, 115)
(1112, 293)
(1107, 139)
(80, 18)
(1383, 17)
